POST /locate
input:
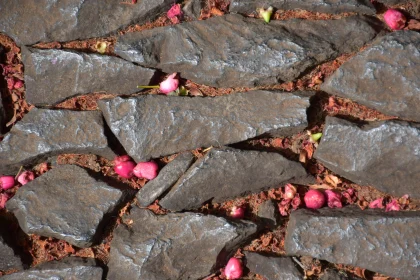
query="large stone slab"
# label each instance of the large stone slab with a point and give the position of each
(54, 75)
(232, 50)
(43, 133)
(385, 242)
(384, 76)
(223, 174)
(67, 203)
(29, 22)
(320, 6)
(174, 246)
(153, 126)
(381, 154)
(73, 268)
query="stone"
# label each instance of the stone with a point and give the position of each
(272, 268)
(224, 174)
(268, 212)
(52, 76)
(319, 6)
(69, 268)
(10, 257)
(330, 274)
(394, 2)
(383, 77)
(192, 8)
(30, 22)
(43, 133)
(67, 203)
(380, 154)
(167, 178)
(174, 246)
(235, 51)
(384, 242)
(152, 126)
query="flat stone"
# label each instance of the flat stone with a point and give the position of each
(174, 246)
(381, 154)
(272, 268)
(384, 242)
(192, 8)
(67, 203)
(167, 178)
(54, 75)
(235, 51)
(268, 212)
(384, 76)
(68, 268)
(43, 133)
(47, 20)
(152, 126)
(223, 174)
(319, 6)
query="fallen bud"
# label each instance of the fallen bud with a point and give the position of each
(124, 166)
(147, 170)
(174, 11)
(314, 199)
(25, 177)
(395, 19)
(333, 199)
(237, 212)
(266, 14)
(233, 269)
(170, 84)
(289, 191)
(7, 182)
(378, 203)
(392, 206)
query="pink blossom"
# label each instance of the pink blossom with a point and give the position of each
(333, 199)
(26, 177)
(174, 11)
(147, 170)
(233, 269)
(170, 84)
(124, 166)
(289, 191)
(395, 19)
(378, 203)
(392, 206)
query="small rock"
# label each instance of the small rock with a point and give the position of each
(174, 246)
(272, 268)
(54, 75)
(384, 242)
(381, 154)
(152, 126)
(167, 178)
(43, 133)
(268, 212)
(330, 274)
(67, 203)
(192, 8)
(223, 174)
(384, 76)
(73, 268)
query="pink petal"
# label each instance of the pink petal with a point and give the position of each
(392, 206)
(25, 177)
(333, 199)
(284, 207)
(174, 11)
(4, 197)
(378, 203)
(296, 202)
(170, 84)
(147, 170)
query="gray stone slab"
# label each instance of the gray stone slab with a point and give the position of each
(223, 174)
(67, 203)
(167, 178)
(320, 6)
(234, 51)
(54, 75)
(385, 76)
(192, 8)
(9, 259)
(384, 242)
(174, 246)
(154, 125)
(268, 212)
(330, 274)
(29, 22)
(272, 268)
(71, 268)
(381, 154)
(43, 133)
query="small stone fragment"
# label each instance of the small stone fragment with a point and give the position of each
(174, 246)
(268, 213)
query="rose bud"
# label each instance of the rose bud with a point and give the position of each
(378, 203)
(124, 166)
(237, 212)
(333, 199)
(289, 191)
(170, 84)
(147, 170)
(395, 19)
(7, 182)
(233, 269)
(314, 199)
(26, 177)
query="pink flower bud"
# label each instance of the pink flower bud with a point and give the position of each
(124, 167)
(314, 199)
(147, 170)
(174, 11)
(170, 84)
(18, 84)
(4, 197)
(378, 203)
(237, 212)
(118, 160)
(392, 206)
(289, 191)
(233, 269)
(296, 202)
(26, 177)
(284, 207)
(7, 182)
(394, 19)
(333, 199)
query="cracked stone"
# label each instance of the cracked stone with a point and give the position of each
(234, 51)
(67, 203)
(52, 75)
(152, 126)
(384, 242)
(380, 154)
(384, 76)
(268, 213)
(227, 173)
(186, 245)
(43, 133)
(30, 22)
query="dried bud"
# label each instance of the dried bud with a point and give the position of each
(289, 191)
(26, 177)
(392, 206)
(237, 212)
(395, 19)
(378, 203)
(233, 269)
(333, 199)
(296, 202)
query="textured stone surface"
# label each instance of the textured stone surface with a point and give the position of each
(320, 6)
(192, 8)
(9, 257)
(268, 213)
(381, 154)
(155, 125)
(174, 246)
(54, 75)
(330, 274)
(66, 203)
(227, 173)
(43, 133)
(29, 22)
(385, 242)
(272, 268)
(232, 50)
(71, 268)
(167, 178)
(385, 76)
